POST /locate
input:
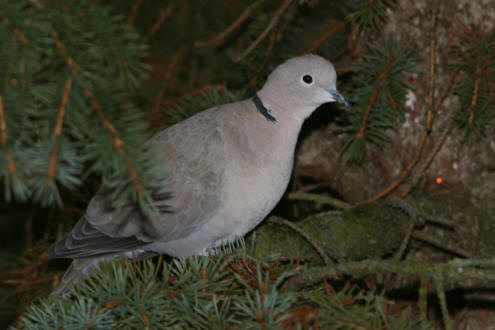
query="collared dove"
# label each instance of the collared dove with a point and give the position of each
(229, 166)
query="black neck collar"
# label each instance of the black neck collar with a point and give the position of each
(262, 109)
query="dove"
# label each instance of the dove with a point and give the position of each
(228, 168)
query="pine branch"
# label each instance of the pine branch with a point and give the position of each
(317, 43)
(377, 97)
(220, 38)
(133, 12)
(17, 32)
(162, 16)
(265, 32)
(4, 138)
(369, 14)
(50, 172)
(62, 51)
(78, 47)
(431, 110)
(470, 276)
(117, 141)
(477, 86)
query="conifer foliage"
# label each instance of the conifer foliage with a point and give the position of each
(377, 96)
(84, 84)
(66, 73)
(230, 290)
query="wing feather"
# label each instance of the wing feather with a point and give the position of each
(193, 154)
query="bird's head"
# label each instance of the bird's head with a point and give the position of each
(302, 83)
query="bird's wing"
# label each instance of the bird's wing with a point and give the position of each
(86, 241)
(193, 154)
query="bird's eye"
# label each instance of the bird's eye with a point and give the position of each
(307, 79)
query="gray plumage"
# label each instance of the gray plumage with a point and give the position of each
(229, 166)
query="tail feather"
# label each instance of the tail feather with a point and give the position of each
(77, 269)
(82, 267)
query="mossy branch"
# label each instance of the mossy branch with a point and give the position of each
(464, 273)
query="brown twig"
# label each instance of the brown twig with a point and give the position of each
(97, 107)
(429, 158)
(367, 112)
(62, 51)
(440, 221)
(452, 80)
(325, 214)
(403, 246)
(37, 4)
(220, 38)
(265, 32)
(422, 140)
(443, 303)
(15, 29)
(474, 97)
(416, 214)
(381, 78)
(273, 38)
(174, 66)
(423, 297)
(468, 277)
(133, 12)
(391, 99)
(405, 242)
(3, 125)
(4, 136)
(435, 242)
(404, 174)
(117, 141)
(301, 195)
(430, 103)
(232, 257)
(50, 172)
(317, 43)
(162, 16)
(301, 232)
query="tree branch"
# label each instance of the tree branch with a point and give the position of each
(301, 232)
(117, 141)
(164, 13)
(50, 172)
(265, 32)
(15, 29)
(317, 43)
(220, 38)
(300, 195)
(4, 138)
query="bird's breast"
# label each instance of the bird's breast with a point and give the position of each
(256, 179)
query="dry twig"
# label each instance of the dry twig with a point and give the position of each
(50, 172)
(429, 123)
(317, 43)
(162, 16)
(446, 247)
(301, 232)
(304, 196)
(220, 38)
(117, 141)
(266, 31)
(133, 12)
(4, 138)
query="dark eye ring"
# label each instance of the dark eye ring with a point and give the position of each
(307, 79)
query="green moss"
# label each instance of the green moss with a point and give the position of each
(475, 217)
(365, 232)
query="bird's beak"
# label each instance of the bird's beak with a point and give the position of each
(338, 97)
